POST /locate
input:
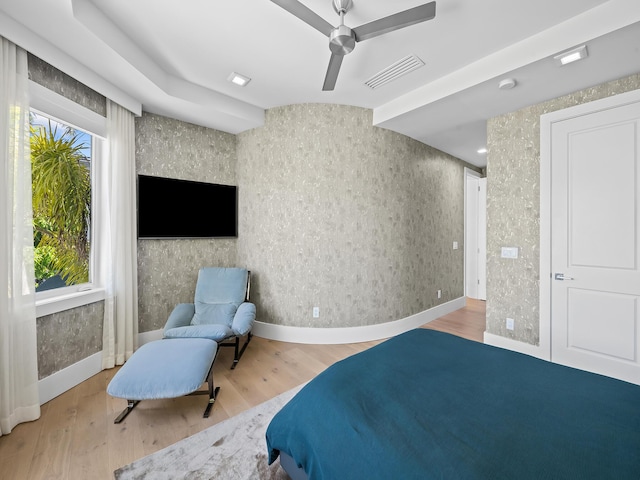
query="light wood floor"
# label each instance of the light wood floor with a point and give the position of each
(75, 438)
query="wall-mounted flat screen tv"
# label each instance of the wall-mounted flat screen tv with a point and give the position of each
(171, 208)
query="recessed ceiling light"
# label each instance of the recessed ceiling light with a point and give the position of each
(571, 56)
(482, 150)
(238, 79)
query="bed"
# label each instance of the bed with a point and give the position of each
(426, 404)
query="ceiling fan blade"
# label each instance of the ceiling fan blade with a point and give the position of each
(306, 15)
(396, 21)
(332, 72)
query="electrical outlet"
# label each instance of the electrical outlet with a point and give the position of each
(455, 245)
(439, 293)
(316, 312)
(510, 324)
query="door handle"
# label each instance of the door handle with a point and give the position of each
(560, 276)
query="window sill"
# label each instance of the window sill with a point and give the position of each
(47, 306)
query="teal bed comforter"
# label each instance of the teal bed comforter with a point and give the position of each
(428, 405)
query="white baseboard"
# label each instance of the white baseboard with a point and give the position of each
(59, 382)
(338, 335)
(516, 346)
(367, 333)
(354, 334)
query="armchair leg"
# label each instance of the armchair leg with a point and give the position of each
(240, 351)
(237, 350)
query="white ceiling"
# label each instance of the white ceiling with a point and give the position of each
(175, 57)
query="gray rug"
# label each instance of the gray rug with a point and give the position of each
(234, 449)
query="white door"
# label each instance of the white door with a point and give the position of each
(595, 246)
(475, 241)
(471, 236)
(482, 238)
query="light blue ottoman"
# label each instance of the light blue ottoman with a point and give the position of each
(166, 368)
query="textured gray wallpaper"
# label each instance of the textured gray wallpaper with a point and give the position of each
(50, 77)
(349, 217)
(513, 210)
(168, 269)
(67, 337)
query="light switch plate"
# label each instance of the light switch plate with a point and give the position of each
(509, 252)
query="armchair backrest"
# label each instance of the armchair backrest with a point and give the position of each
(219, 293)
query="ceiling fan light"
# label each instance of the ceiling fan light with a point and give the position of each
(238, 79)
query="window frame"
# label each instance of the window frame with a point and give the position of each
(59, 108)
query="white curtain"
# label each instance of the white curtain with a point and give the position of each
(117, 230)
(19, 401)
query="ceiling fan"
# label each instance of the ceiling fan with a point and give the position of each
(342, 39)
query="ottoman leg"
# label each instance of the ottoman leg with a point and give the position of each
(213, 393)
(131, 404)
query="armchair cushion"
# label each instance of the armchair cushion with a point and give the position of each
(181, 316)
(221, 285)
(219, 293)
(214, 332)
(214, 313)
(243, 319)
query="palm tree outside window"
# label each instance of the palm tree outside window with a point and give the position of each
(61, 184)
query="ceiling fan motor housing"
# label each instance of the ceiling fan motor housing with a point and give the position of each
(342, 40)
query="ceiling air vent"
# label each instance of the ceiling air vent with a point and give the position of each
(392, 72)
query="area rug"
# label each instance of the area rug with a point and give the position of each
(234, 449)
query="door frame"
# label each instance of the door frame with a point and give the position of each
(546, 124)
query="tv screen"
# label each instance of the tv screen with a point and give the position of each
(171, 208)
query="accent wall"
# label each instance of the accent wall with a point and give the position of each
(354, 219)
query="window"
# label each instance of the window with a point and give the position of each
(66, 145)
(61, 186)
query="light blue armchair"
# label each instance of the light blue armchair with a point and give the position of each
(221, 310)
